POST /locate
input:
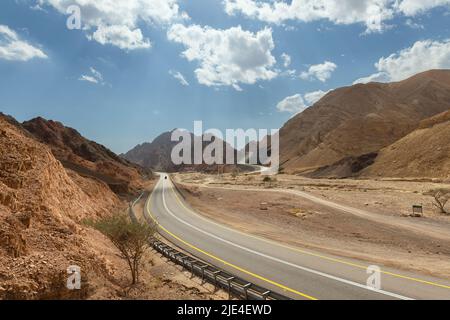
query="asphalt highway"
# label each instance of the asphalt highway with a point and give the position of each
(294, 272)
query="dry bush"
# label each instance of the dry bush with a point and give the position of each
(441, 198)
(130, 237)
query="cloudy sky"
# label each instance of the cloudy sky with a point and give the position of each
(136, 68)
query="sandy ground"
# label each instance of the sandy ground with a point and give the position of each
(377, 227)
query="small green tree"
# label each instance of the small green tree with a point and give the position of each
(131, 238)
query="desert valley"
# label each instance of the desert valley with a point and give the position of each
(353, 166)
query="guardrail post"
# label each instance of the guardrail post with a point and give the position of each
(183, 259)
(192, 268)
(203, 272)
(265, 294)
(229, 286)
(175, 256)
(170, 254)
(248, 285)
(215, 273)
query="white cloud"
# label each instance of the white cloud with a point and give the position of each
(14, 49)
(96, 74)
(414, 25)
(94, 77)
(372, 13)
(376, 77)
(88, 79)
(313, 97)
(121, 36)
(422, 56)
(286, 60)
(298, 103)
(227, 57)
(116, 22)
(237, 87)
(321, 72)
(290, 73)
(177, 75)
(292, 104)
(37, 7)
(414, 7)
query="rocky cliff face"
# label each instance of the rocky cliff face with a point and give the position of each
(41, 205)
(87, 157)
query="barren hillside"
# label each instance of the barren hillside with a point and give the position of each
(424, 153)
(87, 157)
(361, 119)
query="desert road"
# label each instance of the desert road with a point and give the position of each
(293, 272)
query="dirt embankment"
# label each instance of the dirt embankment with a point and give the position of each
(388, 237)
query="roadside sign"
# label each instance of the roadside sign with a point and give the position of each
(417, 209)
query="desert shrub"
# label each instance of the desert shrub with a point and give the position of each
(131, 238)
(441, 198)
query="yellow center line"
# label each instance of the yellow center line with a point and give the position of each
(223, 261)
(311, 253)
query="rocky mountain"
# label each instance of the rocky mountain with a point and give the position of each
(157, 155)
(349, 126)
(41, 206)
(86, 157)
(154, 155)
(424, 153)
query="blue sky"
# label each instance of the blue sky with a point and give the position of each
(114, 80)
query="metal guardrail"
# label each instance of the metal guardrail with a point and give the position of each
(235, 286)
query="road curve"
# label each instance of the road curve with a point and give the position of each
(294, 272)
